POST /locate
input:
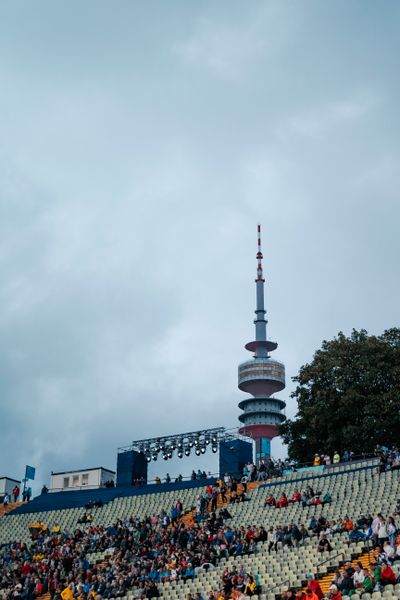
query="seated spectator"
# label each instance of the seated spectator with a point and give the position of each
(310, 595)
(323, 544)
(392, 530)
(334, 593)
(270, 500)
(296, 496)
(241, 497)
(283, 501)
(347, 587)
(314, 586)
(250, 587)
(388, 552)
(376, 573)
(355, 535)
(86, 518)
(336, 458)
(225, 514)
(368, 584)
(338, 579)
(358, 576)
(387, 574)
(327, 498)
(348, 567)
(317, 460)
(309, 492)
(348, 524)
(334, 527)
(304, 533)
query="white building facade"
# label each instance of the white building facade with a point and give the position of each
(7, 484)
(81, 479)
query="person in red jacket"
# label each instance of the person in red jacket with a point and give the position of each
(296, 496)
(334, 593)
(313, 585)
(283, 501)
(387, 574)
(270, 501)
(310, 595)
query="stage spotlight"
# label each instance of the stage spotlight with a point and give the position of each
(190, 442)
(187, 451)
(148, 458)
(180, 444)
(214, 449)
(214, 439)
(207, 440)
(203, 449)
(165, 456)
(180, 454)
(154, 457)
(170, 453)
(198, 452)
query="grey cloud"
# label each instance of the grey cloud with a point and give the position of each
(137, 155)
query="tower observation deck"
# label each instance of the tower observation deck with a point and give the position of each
(261, 377)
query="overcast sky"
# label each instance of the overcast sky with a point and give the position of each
(140, 144)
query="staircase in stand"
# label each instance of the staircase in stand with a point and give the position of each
(10, 508)
(365, 558)
(189, 518)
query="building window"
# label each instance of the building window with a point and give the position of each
(66, 482)
(75, 480)
(85, 479)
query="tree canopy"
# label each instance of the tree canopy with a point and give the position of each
(348, 397)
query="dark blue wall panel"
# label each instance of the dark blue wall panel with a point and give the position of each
(233, 455)
(131, 465)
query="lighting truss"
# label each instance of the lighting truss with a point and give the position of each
(181, 443)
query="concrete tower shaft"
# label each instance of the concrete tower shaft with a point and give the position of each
(261, 377)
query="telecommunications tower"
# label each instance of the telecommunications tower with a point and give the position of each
(261, 377)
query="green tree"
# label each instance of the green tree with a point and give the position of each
(348, 397)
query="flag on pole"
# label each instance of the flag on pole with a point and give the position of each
(30, 472)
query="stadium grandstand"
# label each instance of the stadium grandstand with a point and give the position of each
(212, 539)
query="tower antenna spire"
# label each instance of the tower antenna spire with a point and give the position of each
(259, 255)
(261, 377)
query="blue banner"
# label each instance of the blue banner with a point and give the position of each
(30, 472)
